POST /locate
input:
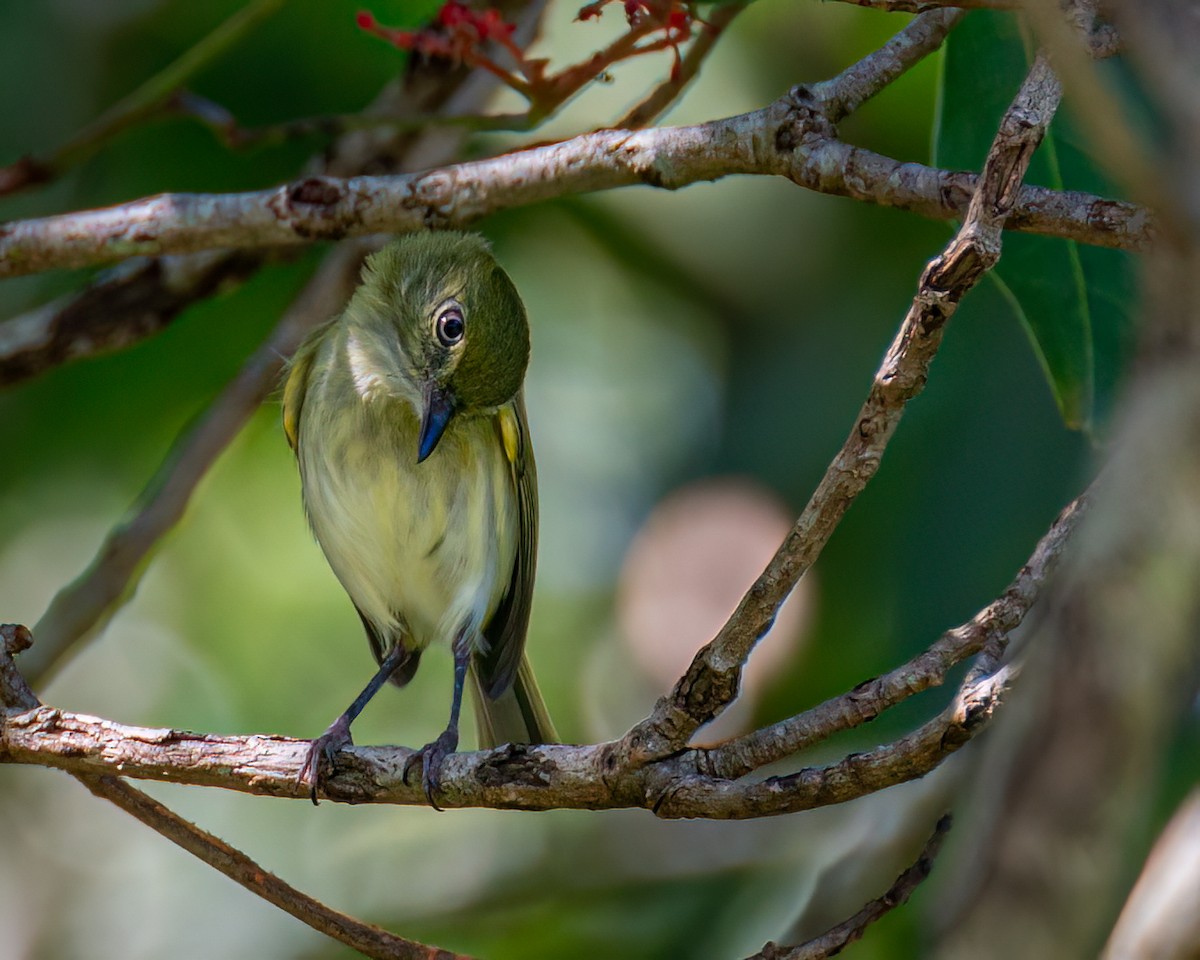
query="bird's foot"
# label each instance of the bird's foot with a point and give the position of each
(324, 748)
(430, 758)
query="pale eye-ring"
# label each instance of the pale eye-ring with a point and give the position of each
(450, 326)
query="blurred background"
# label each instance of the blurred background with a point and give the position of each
(698, 357)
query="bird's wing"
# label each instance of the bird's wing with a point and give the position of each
(295, 387)
(505, 632)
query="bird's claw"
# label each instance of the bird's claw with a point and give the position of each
(324, 748)
(430, 758)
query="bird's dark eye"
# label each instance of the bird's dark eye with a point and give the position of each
(450, 326)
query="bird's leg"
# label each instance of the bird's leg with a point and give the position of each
(432, 754)
(338, 734)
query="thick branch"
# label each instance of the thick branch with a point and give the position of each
(542, 777)
(789, 138)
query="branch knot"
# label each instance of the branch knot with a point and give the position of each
(316, 208)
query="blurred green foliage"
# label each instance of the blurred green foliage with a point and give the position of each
(727, 329)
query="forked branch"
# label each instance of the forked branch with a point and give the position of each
(712, 680)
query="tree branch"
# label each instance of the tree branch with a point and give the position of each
(989, 629)
(366, 938)
(926, 6)
(711, 682)
(856, 775)
(144, 295)
(620, 774)
(855, 85)
(662, 96)
(838, 938)
(151, 98)
(543, 777)
(124, 306)
(792, 137)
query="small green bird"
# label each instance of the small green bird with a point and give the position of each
(407, 419)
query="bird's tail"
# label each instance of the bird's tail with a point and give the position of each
(518, 715)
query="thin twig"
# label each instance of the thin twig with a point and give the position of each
(151, 98)
(989, 628)
(547, 96)
(711, 682)
(87, 603)
(226, 128)
(235, 136)
(833, 941)
(851, 88)
(913, 756)
(925, 6)
(666, 92)
(366, 938)
(557, 89)
(1104, 115)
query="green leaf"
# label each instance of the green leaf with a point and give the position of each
(1073, 300)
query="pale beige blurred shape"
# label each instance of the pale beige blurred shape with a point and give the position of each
(698, 552)
(1161, 919)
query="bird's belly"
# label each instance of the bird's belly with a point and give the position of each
(424, 550)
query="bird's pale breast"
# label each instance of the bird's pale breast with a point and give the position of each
(424, 550)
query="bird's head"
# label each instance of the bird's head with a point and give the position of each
(437, 322)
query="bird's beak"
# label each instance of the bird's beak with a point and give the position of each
(439, 408)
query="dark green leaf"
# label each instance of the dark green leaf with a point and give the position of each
(1073, 300)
